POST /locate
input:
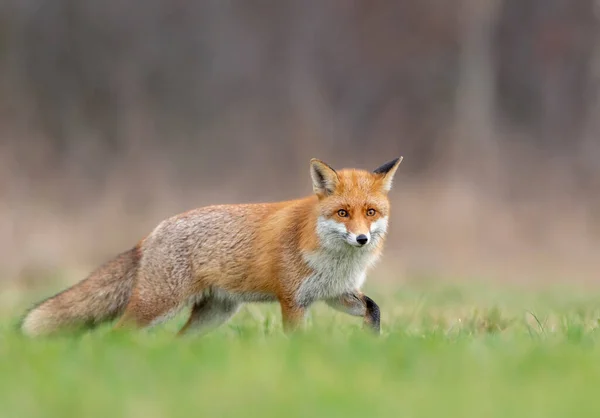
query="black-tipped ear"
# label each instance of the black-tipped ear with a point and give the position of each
(387, 166)
(324, 178)
(387, 171)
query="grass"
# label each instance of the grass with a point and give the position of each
(445, 351)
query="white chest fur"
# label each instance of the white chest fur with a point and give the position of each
(334, 273)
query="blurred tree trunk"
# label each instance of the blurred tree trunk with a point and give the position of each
(475, 98)
(589, 174)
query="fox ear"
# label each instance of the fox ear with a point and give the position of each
(324, 178)
(387, 172)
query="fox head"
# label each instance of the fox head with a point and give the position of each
(353, 205)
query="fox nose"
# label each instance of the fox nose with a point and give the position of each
(362, 239)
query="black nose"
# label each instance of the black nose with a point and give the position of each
(362, 239)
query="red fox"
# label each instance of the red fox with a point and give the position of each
(216, 258)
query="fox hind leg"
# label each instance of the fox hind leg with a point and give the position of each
(208, 314)
(148, 310)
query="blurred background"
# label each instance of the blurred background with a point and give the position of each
(116, 114)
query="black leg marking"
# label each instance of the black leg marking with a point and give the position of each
(373, 315)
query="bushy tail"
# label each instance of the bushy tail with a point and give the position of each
(102, 296)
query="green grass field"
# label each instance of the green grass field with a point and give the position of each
(445, 351)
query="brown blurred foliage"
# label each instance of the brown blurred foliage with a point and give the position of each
(117, 113)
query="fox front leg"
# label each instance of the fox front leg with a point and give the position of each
(292, 315)
(358, 304)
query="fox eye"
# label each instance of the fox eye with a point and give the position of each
(371, 212)
(342, 213)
